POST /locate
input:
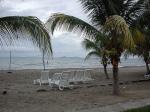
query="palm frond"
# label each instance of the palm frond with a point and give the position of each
(142, 22)
(126, 5)
(71, 24)
(99, 10)
(92, 53)
(138, 36)
(26, 25)
(88, 45)
(136, 10)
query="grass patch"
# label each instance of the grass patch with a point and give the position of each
(142, 109)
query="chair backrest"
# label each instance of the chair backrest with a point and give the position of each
(88, 73)
(57, 76)
(79, 75)
(44, 75)
(66, 75)
(72, 75)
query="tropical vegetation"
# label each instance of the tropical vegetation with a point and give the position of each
(112, 18)
(141, 36)
(144, 48)
(97, 49)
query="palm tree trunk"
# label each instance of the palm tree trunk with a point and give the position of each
(147, 67)
(10, 61)
(105, 71)
(43, 60)
(116, 90)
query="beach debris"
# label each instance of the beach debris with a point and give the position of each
(9, 72)
(4, 92)
(124, 87)
(41, 90)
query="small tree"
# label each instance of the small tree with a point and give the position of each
(96, 48)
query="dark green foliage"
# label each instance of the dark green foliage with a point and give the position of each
(100, 10)
(142, 109)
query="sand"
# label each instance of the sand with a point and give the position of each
(23, 96)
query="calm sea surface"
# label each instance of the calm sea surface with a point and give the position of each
(64, 62)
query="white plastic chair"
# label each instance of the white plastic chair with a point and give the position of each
(69, 75)
(64, 84)
(61, 80)
(55, 79)
(65, 80)
(66, 75)
(44, 79)
(72, 75)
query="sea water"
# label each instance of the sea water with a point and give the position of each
(18, 63)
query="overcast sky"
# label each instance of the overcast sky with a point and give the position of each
(64, 44)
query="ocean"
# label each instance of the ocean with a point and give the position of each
(19, 63)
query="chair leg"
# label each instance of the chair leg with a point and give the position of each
(50, 84)
(61, 88)
(71, 87)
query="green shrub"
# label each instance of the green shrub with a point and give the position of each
(142, 109)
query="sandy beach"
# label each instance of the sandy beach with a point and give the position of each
(23, 96)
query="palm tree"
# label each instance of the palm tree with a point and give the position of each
(144, 47)
(120, 39)
(142, 40)
(96, 48)
(101, 12)
(16, 27)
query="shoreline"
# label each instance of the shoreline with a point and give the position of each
(138, 66)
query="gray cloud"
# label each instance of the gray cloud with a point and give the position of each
(41, 8)
(68, 45)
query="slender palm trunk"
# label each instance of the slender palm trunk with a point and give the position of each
(43, 60)
(105, 71)
(147, 67)
(10, 61)
(116, 90)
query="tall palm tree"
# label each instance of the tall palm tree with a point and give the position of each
(16, 27)
(120, 39)
(101, 12)
(96, 48)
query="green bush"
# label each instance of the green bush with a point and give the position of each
(142, 109)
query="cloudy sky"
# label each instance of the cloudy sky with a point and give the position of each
(64, 44)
